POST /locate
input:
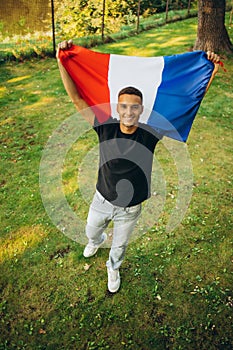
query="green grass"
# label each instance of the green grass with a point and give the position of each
(176, 288)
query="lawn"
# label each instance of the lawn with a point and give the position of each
(176, 288)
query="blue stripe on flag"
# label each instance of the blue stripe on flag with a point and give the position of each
(180, 93)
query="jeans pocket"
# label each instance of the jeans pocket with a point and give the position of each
(99, 197)
(136, 209)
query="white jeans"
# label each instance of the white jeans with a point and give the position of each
(100, 214)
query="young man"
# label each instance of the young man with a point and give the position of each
(126, 156)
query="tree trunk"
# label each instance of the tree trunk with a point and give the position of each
(103, 18)
(189, 6)
(138, 16)
(167, 8)
(211, 33)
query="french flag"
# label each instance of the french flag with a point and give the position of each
(172, 86)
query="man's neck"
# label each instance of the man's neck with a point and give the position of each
(128, 129)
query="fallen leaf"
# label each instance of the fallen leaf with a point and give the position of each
(42, 331)
(86, 267)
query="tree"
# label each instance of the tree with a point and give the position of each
(211, 33)
(167, 7)
(103, 17)
(138, 15)
(87, 17)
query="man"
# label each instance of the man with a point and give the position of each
(126, 156)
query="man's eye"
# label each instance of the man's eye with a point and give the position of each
(133, 107)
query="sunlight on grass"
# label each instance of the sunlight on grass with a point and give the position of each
(6, 121)
(70, 186)
(156, 42)
(3, 91)
(225, 255)
(44, 101)
(229, 94)
(16, 243)
(174, 41)
(17, 79)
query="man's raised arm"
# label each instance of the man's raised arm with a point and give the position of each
(71, 89)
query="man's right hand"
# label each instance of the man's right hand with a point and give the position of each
(64, 45)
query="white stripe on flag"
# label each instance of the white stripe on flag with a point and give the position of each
(144, 73)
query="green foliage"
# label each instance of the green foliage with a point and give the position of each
(83, 18)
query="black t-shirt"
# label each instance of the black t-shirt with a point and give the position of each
(125, 164)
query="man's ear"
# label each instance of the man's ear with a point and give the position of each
(117, 107)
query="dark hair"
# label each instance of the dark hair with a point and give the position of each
(130, 90)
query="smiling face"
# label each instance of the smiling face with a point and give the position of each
(129, 108)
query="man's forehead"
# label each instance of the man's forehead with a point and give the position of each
(129, 99)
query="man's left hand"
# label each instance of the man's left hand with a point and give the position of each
(213, 57)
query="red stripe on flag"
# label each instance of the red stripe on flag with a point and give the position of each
(89, 71)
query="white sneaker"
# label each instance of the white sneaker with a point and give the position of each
(90, 249)
(114, 280)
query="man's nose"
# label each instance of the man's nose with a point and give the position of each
(129, 111)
